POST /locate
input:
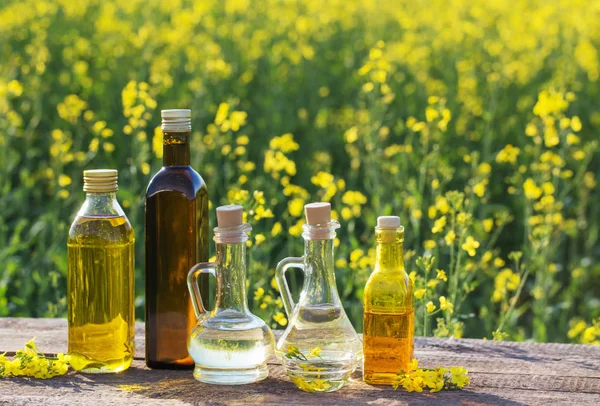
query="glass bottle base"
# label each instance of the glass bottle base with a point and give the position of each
(383, 378)
(101, 368)
(221, 376)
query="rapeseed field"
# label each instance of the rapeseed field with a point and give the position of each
(476, 122)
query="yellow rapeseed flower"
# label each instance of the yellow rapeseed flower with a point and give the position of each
(64, 180)
(276, 229)
(450, 237)
(438, 225)
(279, 317)
(470, 245)
(296, 206)
(222, 112)
(532, 191)
(259, 293)
(446, 305)
(429, 244)
(488, 224)
(576, 124)
(508, 154)
(351, 135)
(284, 143)
(259, 239)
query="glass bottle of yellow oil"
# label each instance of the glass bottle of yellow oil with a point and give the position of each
(101, 279)
(388, 330)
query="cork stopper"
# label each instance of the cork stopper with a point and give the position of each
(177, 120)
(229, 216)
(317, 213)
(100, 180)
(388, 222)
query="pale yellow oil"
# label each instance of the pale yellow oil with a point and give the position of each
(101, 288)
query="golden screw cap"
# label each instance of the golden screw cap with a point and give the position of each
(100, 180)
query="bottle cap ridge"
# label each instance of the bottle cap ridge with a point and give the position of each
(176, 113)
(229, 216)
(317, 213)
(176, 120)
(100, 180)
(388, 222)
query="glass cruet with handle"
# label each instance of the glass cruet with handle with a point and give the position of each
(229, 345)
(319, 349)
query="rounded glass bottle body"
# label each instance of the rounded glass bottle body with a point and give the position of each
(320, 348)
(229, 345)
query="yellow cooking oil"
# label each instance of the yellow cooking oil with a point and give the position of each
(388, 329)
(101, 287)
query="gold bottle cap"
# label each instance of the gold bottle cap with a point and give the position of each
(388, 222)
(229, 216)
(176, 120)
(317, 213)
(100, 180)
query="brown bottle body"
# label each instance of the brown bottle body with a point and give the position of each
(176, 219)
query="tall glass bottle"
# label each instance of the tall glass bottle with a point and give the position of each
(101, 279)
(388, 329)
(319, 349)
(229, 345)
(176, 238)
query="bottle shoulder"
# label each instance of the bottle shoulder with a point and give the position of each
(182, 179)
(391, 276)
(100, 229)
(390, 287)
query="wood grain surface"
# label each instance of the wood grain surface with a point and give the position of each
(502, 373)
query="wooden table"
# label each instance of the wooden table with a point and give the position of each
(504, 373)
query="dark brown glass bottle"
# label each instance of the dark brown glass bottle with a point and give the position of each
(176, 239)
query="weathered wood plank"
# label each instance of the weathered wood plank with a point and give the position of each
(140, 386)
(502, 373)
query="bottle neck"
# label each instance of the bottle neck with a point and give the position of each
(390, 250)
(319, 286)
(101, 204)
(231, 277)
(176, 148)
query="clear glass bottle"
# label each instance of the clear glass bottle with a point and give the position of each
(229, 345)
(319, 349)
(388, 329)
(176, 218)
(100, 251)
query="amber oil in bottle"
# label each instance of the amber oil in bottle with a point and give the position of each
(176, 219)
(388, 329)
(101, 280)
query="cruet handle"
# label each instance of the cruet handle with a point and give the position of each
(284, 289)
(194, 288)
